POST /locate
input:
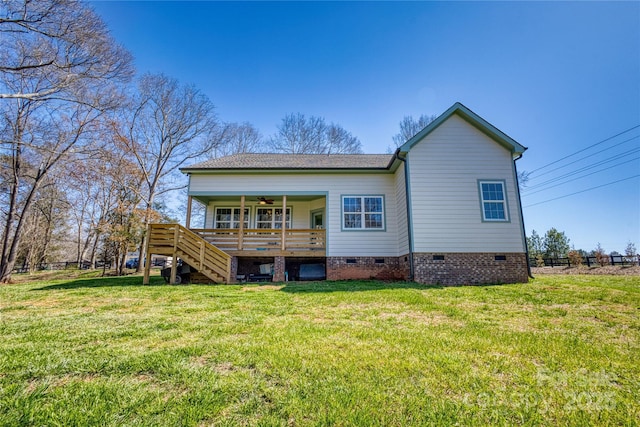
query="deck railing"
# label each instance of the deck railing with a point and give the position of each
(176, 241)
(263, 239)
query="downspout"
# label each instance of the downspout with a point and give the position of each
(408, 207)
(524, 233)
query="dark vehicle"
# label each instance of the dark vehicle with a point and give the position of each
(132, 263)
(183, 273)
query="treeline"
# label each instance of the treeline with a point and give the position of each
(90, 151)
(555, 245)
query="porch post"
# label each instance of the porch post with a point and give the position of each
(241, 226)
(284, 221)
(188, 220)
(147, 265)
(174, 255)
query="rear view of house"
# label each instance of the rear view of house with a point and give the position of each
(443, 209)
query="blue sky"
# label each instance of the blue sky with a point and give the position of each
(557, 77)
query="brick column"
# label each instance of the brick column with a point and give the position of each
(278, 269)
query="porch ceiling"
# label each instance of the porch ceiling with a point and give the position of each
(253, 199)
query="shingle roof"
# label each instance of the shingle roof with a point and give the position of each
(295, 161)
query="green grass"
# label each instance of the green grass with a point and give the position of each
(561, 350)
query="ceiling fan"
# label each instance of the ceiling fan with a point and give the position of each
(265, 201)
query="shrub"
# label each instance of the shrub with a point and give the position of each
(575, 258)
(539, 260)
(601, 256)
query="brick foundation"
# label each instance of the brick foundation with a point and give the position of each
(449, 269)
(470, 268)
(381, 268)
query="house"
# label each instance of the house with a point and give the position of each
(443, 209)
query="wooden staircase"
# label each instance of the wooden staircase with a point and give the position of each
(177, 241)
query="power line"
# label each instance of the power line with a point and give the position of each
(583, 176)
(582, 158)
(586, 148)
(583, 191)
(586, 168)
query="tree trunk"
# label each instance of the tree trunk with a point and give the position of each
(143, 241)
(6, 265)
(9, 256)
(85, 248)
(94, 250)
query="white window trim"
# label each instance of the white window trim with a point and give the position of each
(215, 216)
(289, 223)
(504, 201)
(363, 222)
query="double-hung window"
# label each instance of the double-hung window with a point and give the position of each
(230, 218)
(493, 200)
(271, 218)
(363, 212)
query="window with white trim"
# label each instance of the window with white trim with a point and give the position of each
(271, 218)
(493, 201)
(230, 218)
(363, 212)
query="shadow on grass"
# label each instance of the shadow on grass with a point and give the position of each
(103, 282)
(290, 287)
(351, 286)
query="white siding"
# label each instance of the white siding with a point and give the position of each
(401, 208)
(300, 211)
(340, 243)
(444, 171)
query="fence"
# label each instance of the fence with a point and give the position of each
(64, 265)
(589, 261)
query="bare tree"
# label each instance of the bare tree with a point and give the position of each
(410, 127)
(298, 134)
(45, 226)
(170, 124)
(58, 67)
(238, 138)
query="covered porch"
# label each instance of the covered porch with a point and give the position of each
(261, 224)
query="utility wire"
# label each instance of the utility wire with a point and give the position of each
(585, 157)
(586, 148)
(585, 168)
(583, 191)
(580, 177)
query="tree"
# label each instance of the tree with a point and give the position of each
(58, 69)
(298, 134)
(601, 256)
(556, 244)
(170, 124)
(45, 227)
(535, 244)
(410, 127)
(630, 252)
(61, 45)
(238, 138)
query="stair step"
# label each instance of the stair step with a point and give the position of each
(187, 252)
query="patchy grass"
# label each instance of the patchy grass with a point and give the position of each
(561, 350)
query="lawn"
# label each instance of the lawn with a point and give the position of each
(561, 350)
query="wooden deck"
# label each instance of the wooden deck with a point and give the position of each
(267, 242)
(209, 251)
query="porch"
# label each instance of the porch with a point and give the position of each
(262, 224)
(241, 227)
(267, 242)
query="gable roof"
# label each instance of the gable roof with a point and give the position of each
(478, 122)
(295, 161)
(283, 161)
